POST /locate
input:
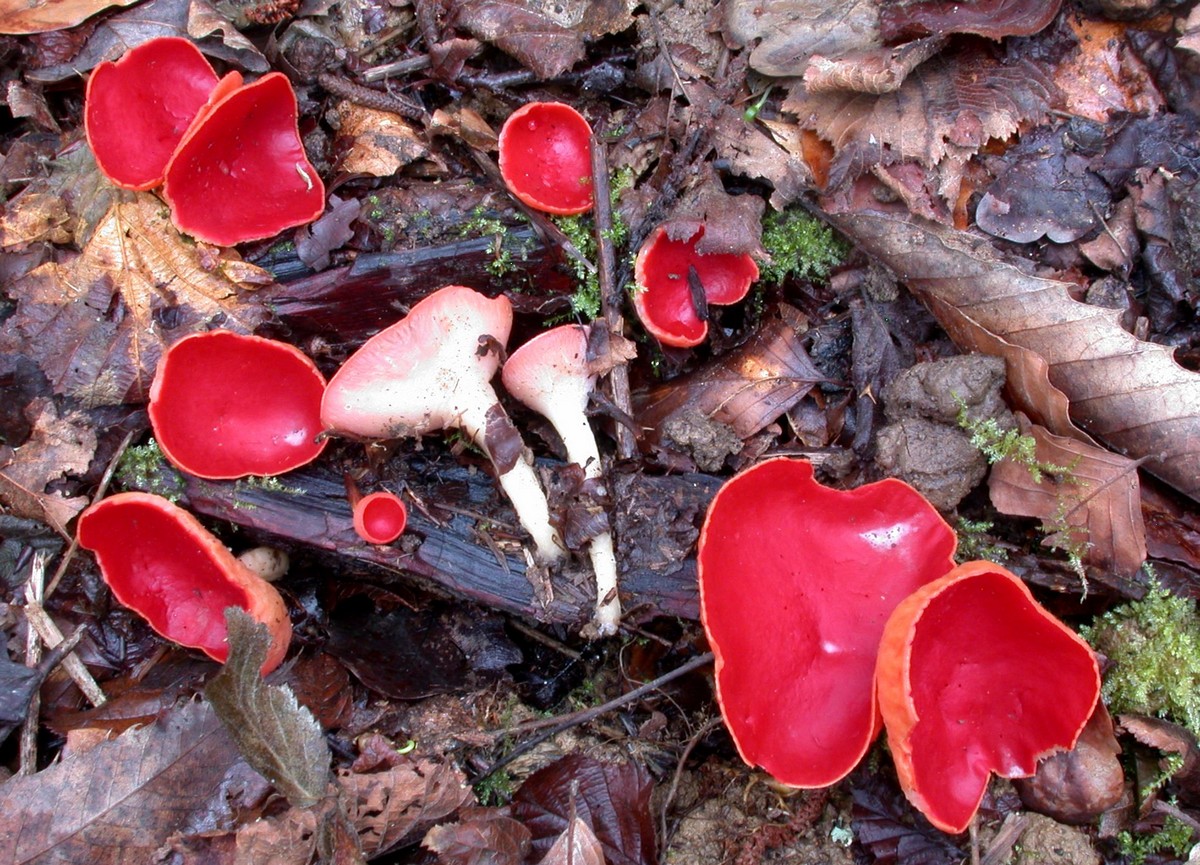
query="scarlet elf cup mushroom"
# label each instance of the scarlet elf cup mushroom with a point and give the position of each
(432, 370)
(975, 677)
(159, 561)
(551, 375)
(545, 157)
(796, 583)
(227, 405)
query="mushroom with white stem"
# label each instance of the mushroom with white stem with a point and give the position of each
(432, 370)
(552, 376)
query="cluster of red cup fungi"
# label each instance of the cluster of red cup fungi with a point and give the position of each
(227, 154)
(969, 675)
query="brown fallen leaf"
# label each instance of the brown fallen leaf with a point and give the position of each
(19, 17)
(994, 19)
(1128, 393)
(792, 31)
(121, 800)
(61, 443)
(377, 143)
(577, 845)
(105, 353)
(1104, 76)
(482, 836)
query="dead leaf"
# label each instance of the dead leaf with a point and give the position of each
(994, 19)
(21, 17)
(732, 223)
(747, 389)
(613, 798)
(315, 242)
(121, 800)
(61, 444)
(577, 845)
(377, 143)
(526, 31)
(1105, 76)
(103, 352)
(278, 737)
(1130, 394)
(482, 836)
(876, 70)
(792, 31)
(62, 207)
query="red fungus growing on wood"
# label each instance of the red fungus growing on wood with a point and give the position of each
(225, 405)
(240, 173)
(432, 370)
(379, 517)
(162, 564)
(137, 109)
(545, 157)
(676, 285)
(796, 583)
(975, 677)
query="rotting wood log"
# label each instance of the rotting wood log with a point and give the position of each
(656, 522)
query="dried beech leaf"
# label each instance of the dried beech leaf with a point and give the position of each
(19, 17)
(1099, 498)
(877, 70)
(994, 19)
(104, 353)
(577, 845)
(482, 836)
(942, 114)
(792, 31)
(59, 444)
(377, 143)
(547, 45)
(614, 799)
(1130, 394)
(275, 734)
(121, 800)
(747, 389)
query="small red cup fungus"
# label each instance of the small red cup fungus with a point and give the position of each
(796, 583)
(224, 405)
(164, 565)
(240, 173)
(975, 677)
(380, 517)
(137, 109)
(545, 157)
(665, 298)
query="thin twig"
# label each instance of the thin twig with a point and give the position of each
(41, 622)
(610, 298)
(574, 719)
(369, 98)
(33, 656)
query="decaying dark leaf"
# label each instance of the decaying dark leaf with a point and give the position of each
(994, 19)
(614, 799)
(18, 17)
(887, 826)
(877, 70)
(315, 242)
(792, 31)
(481, 836)
(577, 845)
(1130, 394)
(275, 735)
(121, 800)
(1077, 786)
(1170, 738)
(732, 224)
(746, 389)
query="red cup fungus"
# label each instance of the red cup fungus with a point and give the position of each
(380, 517)
(796, 583)
(975, 677)
(224, 405)
(240, 173)
(432, 370)
(545, 157)
(159, 561)
(665, 298)
(138, 108)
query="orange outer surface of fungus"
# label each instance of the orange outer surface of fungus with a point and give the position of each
(796, 583)
(164, 565)
(975, 677)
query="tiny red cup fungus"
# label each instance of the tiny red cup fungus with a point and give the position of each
(545, 157)
(432, 370)
(159, 561)
(138, 108)
(226, 405)
(379, 517)
(975, 677)
(676, 285)
(240, 173)
(796, 583)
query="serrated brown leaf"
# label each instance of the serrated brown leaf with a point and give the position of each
(19, 17)
(1098, 498)
(1128, 393)
(121, 800)
(97, 322)
(278, 737)
(59, 444)
(482, 836)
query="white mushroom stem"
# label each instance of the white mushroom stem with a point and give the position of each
(550, 375)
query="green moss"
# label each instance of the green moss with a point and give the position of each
(585, 302)
(495, 789)
(800, 246)
(144, 468)
(267, 484)
(1175, 837)
(974, 542)
(1154, 649)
